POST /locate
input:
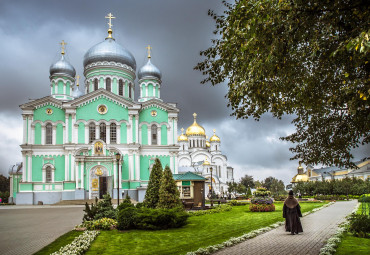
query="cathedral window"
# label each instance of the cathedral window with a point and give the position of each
(96, 85)
(91, 132)
(120, 88)
(113, 133)
(129, 90)
(48, 174)
(154, 135)
(49, 134)
(103, 132)
(108, 84)
(216, 147)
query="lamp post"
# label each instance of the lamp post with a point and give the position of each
(118, 157)
(211, 169)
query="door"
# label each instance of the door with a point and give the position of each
(102, 186)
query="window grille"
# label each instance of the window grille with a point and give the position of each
(154, 135)
(113, 133)
(108, 84)
(120, 88)
(49, 134)
(96, 85)
(91, 132)
(48, 174)
(103, 132)
(186, 191)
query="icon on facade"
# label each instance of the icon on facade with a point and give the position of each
(102, 109)
(98, 148)
(49, 111)
(153, 113)
(99, 172)
(95, 184)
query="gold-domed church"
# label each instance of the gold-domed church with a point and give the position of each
(197, 153)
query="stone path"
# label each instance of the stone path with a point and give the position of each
(27, 229)
(317, 227)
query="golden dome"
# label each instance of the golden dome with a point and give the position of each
(182, 137)
(300, 178)
(195, 128)
(215, 138)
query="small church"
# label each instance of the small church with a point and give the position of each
(83, 143)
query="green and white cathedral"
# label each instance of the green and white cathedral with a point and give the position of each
(71, 138)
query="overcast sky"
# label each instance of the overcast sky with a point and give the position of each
(30, 33)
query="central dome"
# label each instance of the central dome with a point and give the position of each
(195, 128)
(109, 50)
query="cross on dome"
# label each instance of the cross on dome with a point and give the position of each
(63, 46)
(149, 48)
(195, 115)
(77, 79)
(214, 131)
(110, 17)
(182, 130)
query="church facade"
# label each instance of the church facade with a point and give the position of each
(71, 139)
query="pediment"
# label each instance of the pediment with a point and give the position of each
(155, 102)
(48, 100)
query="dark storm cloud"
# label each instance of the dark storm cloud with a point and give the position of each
(178, 30)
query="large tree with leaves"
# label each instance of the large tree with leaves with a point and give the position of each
(169, 195)
(152, 192)
(247, 181)
(305, 58)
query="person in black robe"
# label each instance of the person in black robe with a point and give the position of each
(291, 213)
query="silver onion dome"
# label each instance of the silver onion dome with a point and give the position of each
(77, 92)
(62, 66)
(109, 50)
(149, 70)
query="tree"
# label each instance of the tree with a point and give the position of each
(277, 187)
(249, 193)
(241, 189)
(231, 187)
(152, 192)
(304, 58)
(169, 195)
(247, 181)
(4, 183)
(268, 182)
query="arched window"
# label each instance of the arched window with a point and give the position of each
(87, 86)
(108, 84)
(96, 85)
(154, 135)
(216, 147)
(103, 132)
(49, 134)
(91, 132)
(129, 90)
(48, 174)
(113, 133)
(120, 88)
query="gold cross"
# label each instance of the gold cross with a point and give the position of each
(63, 48)
(149, 48)
(214, 131)
(110, 17)
(195, 115)
(77, 78)
(182, 130)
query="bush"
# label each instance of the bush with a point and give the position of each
(126, 218)
(365, 198)
(261, 192)
(279, 198)
(221, 208)
(101, 224)
(4, 196)
(331, 197)
(237, 203)
(152, 219)
(105, 209)
(359, 224)
(90, 212)
(139, 205)
(262, 207)
(125, 204)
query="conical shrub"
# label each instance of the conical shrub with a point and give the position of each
(169, 195)
(152, 192)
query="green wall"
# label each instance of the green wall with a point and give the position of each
(37, 133)
(90, 111)
(40, 114)
(145, 115)
(123, 133)
(37, 168)
(59, 134)
(150, 90)
(163, 135)
(37, 164)
(144, 134)
(60, 87)
(125, 170)
(81, 132)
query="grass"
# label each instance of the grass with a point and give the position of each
(201, 231)
(63, 240)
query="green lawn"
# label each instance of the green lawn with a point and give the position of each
(61, 241)
(353, 245)
(201, 231)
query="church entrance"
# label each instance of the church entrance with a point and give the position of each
(103, 187)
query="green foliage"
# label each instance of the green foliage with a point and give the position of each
(241, 189)
(105, 209)
(218, 209)
(90, 212)
(151, 219)
(247, 181)
(359, 224)
(365, 198)
(249, 193)
(231, 187)
(139, 205)
(262, 207)
(304, 58)
(125, 204)
(4, 196)
(237, 203)
(101, 224)
(152, 192)
(169, 195)
(261, 192)
(4, 184)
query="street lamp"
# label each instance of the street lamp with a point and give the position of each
(211, 169)
(118, 157)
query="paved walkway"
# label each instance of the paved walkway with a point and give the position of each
(317, 227)
(27, 229)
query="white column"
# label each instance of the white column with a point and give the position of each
(175, 130)
(171, 163)
(97, 133)
(31, 137)
(170, 140)
(64, 88)
(115, 174)
(24, 132)
(140, 135)
(73, 167)
(176, 164)
(107, 134)
(74, 132)
(43, 135)
(120, 174)
(129, 130)
(146, 90)
(24, 177)
(136, 128)
(150, 135)
(54, 140)
(66, 129)
(76, 173)
(30, 167)
(159, 136)
(131, 166)
(82, 174)
(118, 134)
(137, 166)
(159, 92)
(66, 168)
(86, 133)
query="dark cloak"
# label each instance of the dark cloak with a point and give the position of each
(291, 213)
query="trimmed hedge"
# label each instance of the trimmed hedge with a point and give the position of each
(262, 207)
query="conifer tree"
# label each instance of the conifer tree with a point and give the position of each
(169, 195)
(152, 193)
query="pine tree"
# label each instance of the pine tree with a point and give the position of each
(169, 195)
(152, 193)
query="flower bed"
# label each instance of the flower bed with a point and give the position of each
(221, 208)
(79, 245)
(101, 224)
(262, 207)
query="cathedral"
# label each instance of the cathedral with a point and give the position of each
(81, 145)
